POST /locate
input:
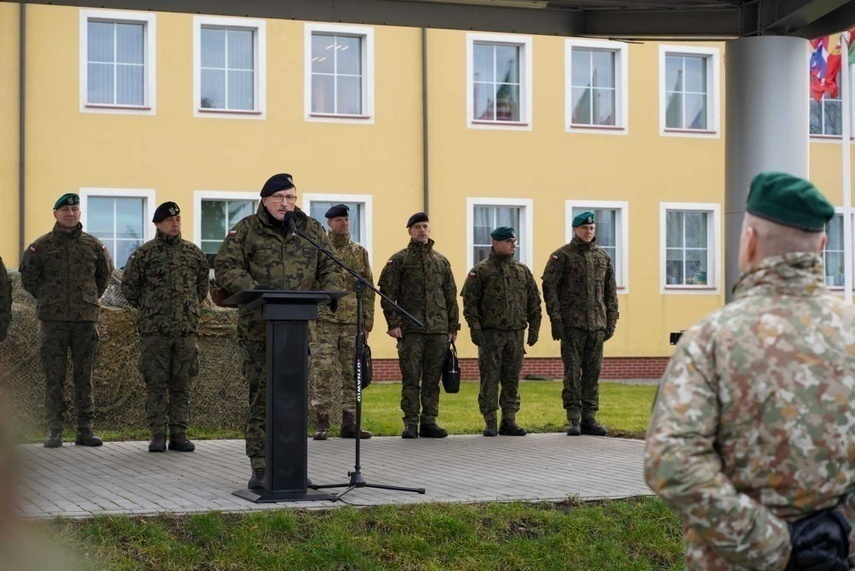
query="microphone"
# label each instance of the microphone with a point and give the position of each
(290, 221)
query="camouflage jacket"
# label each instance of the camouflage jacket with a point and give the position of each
(356, 257)
(753, 426)
(500, 293)
(166, 279)
(419, 279)
(5, 298)
(579, 287)
(67, 273)
(259, 251)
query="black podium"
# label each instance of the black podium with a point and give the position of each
(287, 314)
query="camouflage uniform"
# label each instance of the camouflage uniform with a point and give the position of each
(259, 251)
(166, 279)
(500, 298)
(5, 300)
(752, 426)
(67, 273)
(334, 343)
(419, 279)
(581, 293)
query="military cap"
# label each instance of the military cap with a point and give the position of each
(67, 199)
(337, 210)
(281, 181)
(788, 200)
(416, 218)
(164, 211)
(503, 233)
(584, 218)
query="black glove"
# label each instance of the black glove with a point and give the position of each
(557, 329)
(820, 542)
(533, 335)
(610, 331)
(333, 304)
(475, 334)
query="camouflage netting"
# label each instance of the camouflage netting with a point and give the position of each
(218, 398)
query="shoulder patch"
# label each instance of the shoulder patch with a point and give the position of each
(390, 262)
(32, 250)
(133, 256)
(103, 248)
(232, 232)
(554, 256)
(471, 274)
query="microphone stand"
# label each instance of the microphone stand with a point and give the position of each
(356, 478)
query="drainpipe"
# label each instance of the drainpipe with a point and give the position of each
(425, 165)
(22, 137)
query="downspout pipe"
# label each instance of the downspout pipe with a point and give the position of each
(425, 155)
(22, 126)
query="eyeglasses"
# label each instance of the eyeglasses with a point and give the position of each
(289, 198)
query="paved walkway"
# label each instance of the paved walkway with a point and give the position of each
(124, 478)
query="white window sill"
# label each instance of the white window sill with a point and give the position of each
(697, 133)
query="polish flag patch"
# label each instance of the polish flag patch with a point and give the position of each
(32, 250)
(232, 232)
(389, 263)
(103, 248)
(471, 274)
(554, 257)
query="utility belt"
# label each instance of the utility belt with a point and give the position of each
(820, 542)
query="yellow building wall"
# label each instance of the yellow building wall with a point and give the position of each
(9, 97)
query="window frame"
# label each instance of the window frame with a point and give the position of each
(216, 195)
(621, 233)
(822, 102)
(366, 219)
(713, 71)
(838, 211)
(149, 21)
(621, 53)
(526, 44)
(149, 206)
(526, 221)
(259, 29)
(714, 250)
(366, 34)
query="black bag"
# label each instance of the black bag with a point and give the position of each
(367, 367)
(451, 370)
(820, 542)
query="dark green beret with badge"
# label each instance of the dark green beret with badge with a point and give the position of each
(584, 218)
(503, 233)
(67, 199)
(788, 200)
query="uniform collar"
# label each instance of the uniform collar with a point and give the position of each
(339, 241)
(503, 259)
(799, 273)
(167, 239)
(582, 245)
(419, 247)
(60, 231)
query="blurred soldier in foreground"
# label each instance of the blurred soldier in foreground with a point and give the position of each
(581, 299)
(334, 347)
(166, 280)
(500, 299)
(67, 271)
(752, 431)
(5, 301)
(260, 253)
(419, 279)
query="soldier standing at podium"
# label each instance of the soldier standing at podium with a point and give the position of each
(260, 253)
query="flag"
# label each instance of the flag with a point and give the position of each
(824, 67)
(850, 41)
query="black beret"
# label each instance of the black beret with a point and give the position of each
(67, 199)
(337, 210)
(164, 211)
(416, 218)
(277, 182)
(789, 200)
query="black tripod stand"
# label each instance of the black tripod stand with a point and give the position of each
(356, 478)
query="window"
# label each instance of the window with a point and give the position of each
(229, 67)
(689, 80)
(833, 255)
(340, 73)
(826, 116)
(690, 238)
(361, 206)
(486, 214)
(500, 80)
(218, 213)
(120, 218)
(596, 80)
(612, 232)
(117, 64)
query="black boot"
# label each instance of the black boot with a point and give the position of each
(85, 437)
(491, 430)
(322, 430)
(509, 427)
(573, 429)
(179, 443)
(257, 480)
(432, 430)
(410, 431)
(590, 426)
(158, 443)
(348, 427)
(54, 439)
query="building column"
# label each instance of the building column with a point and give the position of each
(766, 124)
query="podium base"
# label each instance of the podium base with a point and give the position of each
(275, 496)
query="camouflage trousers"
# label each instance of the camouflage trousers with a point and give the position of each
(167, 364)
(57, 338)
(420, 357)
(255, 373)
(331, 367)
(500, 359)
(581, 350)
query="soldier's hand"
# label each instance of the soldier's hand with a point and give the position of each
(396, 333)
(533, 335)
(609, 333)
(452, 337)
(557, 329)
(475, 335)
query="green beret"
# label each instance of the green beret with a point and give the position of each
(788, 200)
(67, 199)
(503, 233)
(584, 218)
